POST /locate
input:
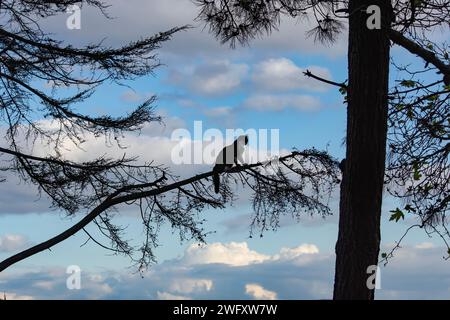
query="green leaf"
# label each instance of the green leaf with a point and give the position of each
(416, 173)
(397, 214)
(384, 255)
(343, 90)
(410, 114)
(408, 83)
(428, 188)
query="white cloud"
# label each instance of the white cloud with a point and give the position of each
(96, 277)
(211, 78)
(424, 245)
(239, 254)
(13, 296)
(292, 253)
(282, 74)
(103, 289)
(147, 17)
(412, 274)
(218, 111)
(12, 242)
(233, 253)
(226, 269)
(153, 143)
(259, 293)
(169, 296)
(45, 285)
(267, 102)
(164, 129)
(302, 255)
(187, 285)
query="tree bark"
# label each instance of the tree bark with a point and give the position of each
(358, 242)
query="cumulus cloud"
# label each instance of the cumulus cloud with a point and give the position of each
(269, 102)
(282, 74)
(259, 293)
(233, 253)
(302, 255)
(188, 285)
(12, 242)
(169, 296)
(153, 143)
(239, 254)
(147, 17)
(413, 274)
(218, 271)
(212, 78)
(289, 253)
(165, 129)
(13, 296)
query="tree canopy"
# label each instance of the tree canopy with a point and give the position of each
(30, 57)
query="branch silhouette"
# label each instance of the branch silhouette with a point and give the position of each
(308, 73)
(427, 55)
(96, 190)
(270, 183)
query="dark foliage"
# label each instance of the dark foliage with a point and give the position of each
(300, 180)
(418, 169)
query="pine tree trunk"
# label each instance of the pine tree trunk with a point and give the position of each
(358, 242)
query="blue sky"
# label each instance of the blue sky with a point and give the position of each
(260, 87)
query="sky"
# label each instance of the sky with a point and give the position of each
(258, 87)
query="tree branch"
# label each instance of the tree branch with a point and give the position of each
(64, 163)
(89, 53)
(425, 54)
(115, 199)
(309, 74)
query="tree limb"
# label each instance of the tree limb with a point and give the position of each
(309, 74)
(64, 163)
(115, 199)
(425, 54)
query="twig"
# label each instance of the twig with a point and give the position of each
(340, 85)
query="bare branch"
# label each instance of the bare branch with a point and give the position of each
(267, 194)
(340, 85)
(425, 54)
